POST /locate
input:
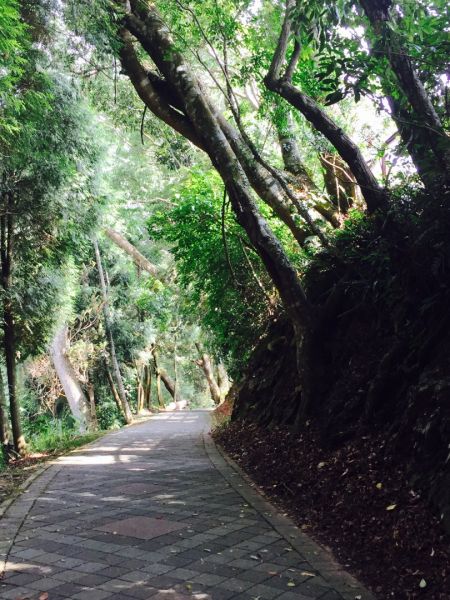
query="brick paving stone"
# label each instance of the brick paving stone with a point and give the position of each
(152, 512)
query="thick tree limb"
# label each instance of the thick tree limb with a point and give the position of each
(374, 195)
(425, 118)
(137, 257)
(154, 37)
(147, 93)
(76, 398)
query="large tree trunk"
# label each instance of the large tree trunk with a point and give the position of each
(154, 36)
(114, 392)
(204, 362)
(163, 376)
(78, 403)
(425, 117)
(9, 341)
(147, 387)
(293, 164)
(108, 328)
(139, 259)
(280, 83)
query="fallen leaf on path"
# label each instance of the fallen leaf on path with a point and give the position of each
(391, 507)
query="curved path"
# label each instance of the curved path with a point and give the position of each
(154, 511)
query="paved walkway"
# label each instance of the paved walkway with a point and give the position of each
(152, 511)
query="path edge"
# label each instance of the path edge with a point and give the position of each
(320, 559)
(13, 523)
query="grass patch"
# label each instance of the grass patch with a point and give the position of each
(41, 448)
(56, 443)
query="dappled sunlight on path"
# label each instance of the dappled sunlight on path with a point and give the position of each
(144, 513)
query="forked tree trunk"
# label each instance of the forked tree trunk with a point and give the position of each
(146, 25)
(76, 399)
(281, 83)
(339, 183)
(199, 122)
(112, 348)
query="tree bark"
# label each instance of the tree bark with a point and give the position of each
(114, 392)
(339, 183)
(139, 259)
(163, 376)
(424, 115)
(374, 195)
(9, 341)
(158, 390)
(112, 348)
(293, 164)
(146, 25)
(92, 407)
(4, 437)
(76, 399)
(147, 386)
(204, 362)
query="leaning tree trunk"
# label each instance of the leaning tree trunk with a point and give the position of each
(114, 392)
(204, 362)
(281, 83)
(9, 334)
(138, 258)
(112, 348)
(424, 116)
(293, 164)
(199, 122)
(77, 400)
(163, 376)
(146, 25)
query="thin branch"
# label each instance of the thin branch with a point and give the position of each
(224, 240)
(142, 123)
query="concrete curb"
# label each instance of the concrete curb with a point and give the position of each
(319, 559)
